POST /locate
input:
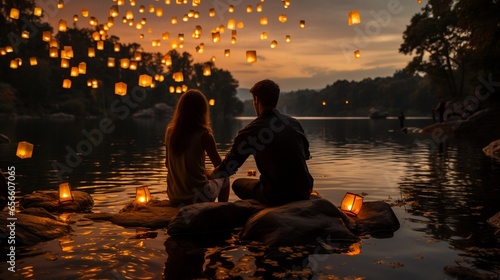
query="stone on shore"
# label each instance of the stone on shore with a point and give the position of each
(375, 218)
(48, 200)
(298, 223)
(35, 226)
(493, 149)
(155, 214)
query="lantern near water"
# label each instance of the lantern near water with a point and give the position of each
(142, 195)
(354, 18)
(65, 194)
(351, 204)
(24, 150)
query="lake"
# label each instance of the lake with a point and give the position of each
(443, 194)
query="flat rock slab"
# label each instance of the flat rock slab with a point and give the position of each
(493, 149)
(31, 228)
(48, 200)
(298, 223)
(156, 214)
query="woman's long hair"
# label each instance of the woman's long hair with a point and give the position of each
(191, 115)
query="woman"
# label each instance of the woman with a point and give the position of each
(188, 138)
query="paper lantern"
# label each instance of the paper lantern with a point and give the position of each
(167, 60)
(46, 36)
(37, 11)
(142, 195)
(347, 102)
(60, 4)
(91, 52)
(64, 63)
(137, 56)
(65, 195)
(174, 20)
(33, 61)
(24, 150)
(353, 17)
(274, 44)
(145, 80)
(174, 44)
(85, 12)
(133, 65)
(62, 25)
(178, 89)
(96, 36)
(302, 23)
(211, 13)
(323, 103)
(53, 52)
(263, 21)
(110, 22)
(258, 8)
(3, 51)
(357, 54)
(165, 36)
(231, 24)
(25, 34)
(125, 63)
(93, 21)
(282, 18)
(159, 12)
(351, 204)
(151, 8)
(263, 36)
(66, 83)
(171, 89)
(249, 8)
(288, 38)
(14, 13)
(251, 56)
(53, 43)
(82, 68)
(227, 53)
(129, 15)
(184, 88)
(178, 77)
(100, 45)
(207, 71)
(215, 37)
(14, 64)
(74, 72)
(113, 11)
(121, 88)
(197, 32)
(211, 102)
(75, 18)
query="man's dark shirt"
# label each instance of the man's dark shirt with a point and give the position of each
(280, 149)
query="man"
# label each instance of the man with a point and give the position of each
(279, 147)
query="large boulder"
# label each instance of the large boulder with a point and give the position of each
(493, 149)
(48, 200)
(155, 214)
(29, 228)
(213, 217)
(298, 223)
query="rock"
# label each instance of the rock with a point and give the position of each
(48, 200)
(156, 214)
(493, 149)
(213, 217)
(298, 223)
(459, 272)
(40, 212)
(375, 218)
(31, 229)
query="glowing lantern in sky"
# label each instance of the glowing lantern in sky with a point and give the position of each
(62, 25)
(100, 45)
(227, 52)
(282, 18)
(145, 80)
(216, 37)
(125, 63)
(60, 4)
(263, 36)
(167, 60)
(75, 18)
(74, 72)
(351, 204)
(33, 61)
(133, 65)
(64, 63)
(171, 89)
(251, 56)
(53, 43)
(111, 62)
(53, 52)
(66, 83)
(323, 103)
(121, 88)
(302, 23)
(91, 52)
(65, 194)
(159, 12)
(263, 21)
(231, 24)
(46, 35)
(357, 54)
(178, 77)
(287, 38)
(137, 56)
(142, 195)
(353, 17)
(274, 44)
(37, 11)
(259, 8)
(14, 13)
(116, 47)
(129, 15)
(113, 11)
(14, 64)
(211, 102)
(96, 36)
(24, 150)
(25, 34)
(82, 68)
(207, 71)
(249, 8)
(85, 12)
(211, 13)
(165, 36)
(174, 20)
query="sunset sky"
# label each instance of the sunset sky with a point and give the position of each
(317, 55)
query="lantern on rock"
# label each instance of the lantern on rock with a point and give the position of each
(142, 195)
(65, 194)
(354, 18)
(351, 204)
(24, 150)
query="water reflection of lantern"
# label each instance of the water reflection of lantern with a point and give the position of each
(207, 71)
(14, 13)
(274, 44)
(145, 80)
(65, 194)
(24, 150)
(33, 61)
(351, 204)
(121, 88)
(82, 68)
(178, 77)
(211, 102)
(142, 195)
(227, 53)
(357, 54)
(46, 35)
(302, 23)
(74, 72)
(37, 11)
(91, 52)
(62, 25)
(64, 63)
(66, 83)
(353, 17)
(251, 56)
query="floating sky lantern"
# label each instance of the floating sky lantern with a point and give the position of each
(159, 12)
(37, 11)
(14, 64)
(215, 36)
(91, 52)
(113, 11)
(137, 56)
(100, 45)
(60, 4)
(357, 54)
(145, 80)
(62, 25)
(227, 53)
(64, 63)
(24, 150)
(125, 63)
(167, 60)
(274, 44)
(33, 61)
(207, 71)
(121, 88)
(66, 83)
(25, 34)
(74, 72)
(165, 36)
(346, 102)
(133, 65)
(263, 36)
(249, 8)
(282, 18)
(263, 21)
(171, 89)
(302, 24)
(111, 62)
(9, 49)
(351, 204)
(323, 103)
(178, 77)
(231, 24)
(211, 13)
(85, 12)
(353, 17)
(82, 68)
(251, 56)
(211, 102)
(53, 52)
(14, 13)
(258, 8)
(288, 38)
(65, 194)
(142, 195)
(75, 18)
(46, 36)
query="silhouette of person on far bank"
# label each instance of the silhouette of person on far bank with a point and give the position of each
(439, 109)
(401, 120)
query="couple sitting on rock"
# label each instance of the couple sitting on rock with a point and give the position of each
(276, 141)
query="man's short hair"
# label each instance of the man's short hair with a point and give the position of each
(268, 93)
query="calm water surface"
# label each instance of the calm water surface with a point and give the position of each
(442, 195)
